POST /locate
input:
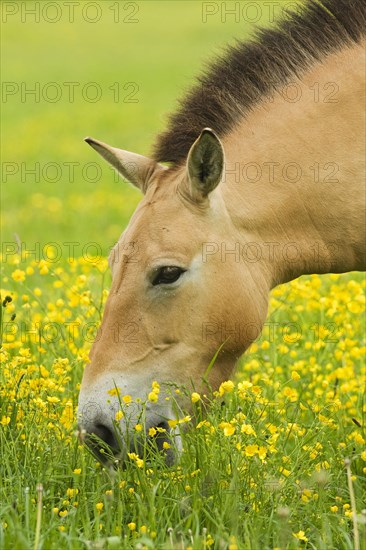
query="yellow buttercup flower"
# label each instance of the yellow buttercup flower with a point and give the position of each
(301, 536)
(118, 416)
(153, 397)
(53, 399)
(195, 397)
(250, 450)
(114, 391)
(18, 275)
(226, 387)
(247, 429)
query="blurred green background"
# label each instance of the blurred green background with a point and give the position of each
(136, 59)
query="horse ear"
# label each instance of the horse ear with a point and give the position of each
(137, 169)
(205, 164)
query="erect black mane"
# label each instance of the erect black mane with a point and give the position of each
(251, 70)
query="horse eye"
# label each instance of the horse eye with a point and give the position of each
(167, 275)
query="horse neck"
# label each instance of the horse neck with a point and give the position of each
(294, 172)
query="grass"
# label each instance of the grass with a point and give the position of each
(266, 470)
(264, 466)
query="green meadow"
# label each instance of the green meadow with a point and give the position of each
(276, 458)
(116, 80)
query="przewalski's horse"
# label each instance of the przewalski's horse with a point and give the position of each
(273, 191)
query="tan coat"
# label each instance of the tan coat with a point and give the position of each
(279, 196)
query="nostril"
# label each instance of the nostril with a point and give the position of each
(102, 441)
(105, 434)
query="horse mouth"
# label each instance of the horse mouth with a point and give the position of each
(110, 449)
(101, 443)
